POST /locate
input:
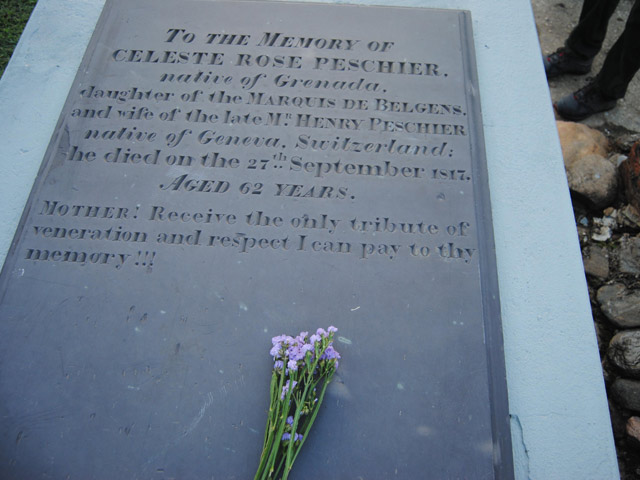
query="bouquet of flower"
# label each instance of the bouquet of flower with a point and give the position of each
(303, 368)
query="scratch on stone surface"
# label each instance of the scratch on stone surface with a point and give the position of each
(521, 452)
(194, 423)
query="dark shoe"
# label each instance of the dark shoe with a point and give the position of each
(564, 61)
(584, 103)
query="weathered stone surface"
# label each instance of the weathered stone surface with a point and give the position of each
(629, 216)
(633, 428)
(603, 228)
(627, 393)
(625, 142)
(630, 255)
(624, 352)
(588, 171)
(596, 261)
(578, 141)
(609, 293)
(583, 235)
(617, 159)
(621, 306)
(630, 174)
(594, 177)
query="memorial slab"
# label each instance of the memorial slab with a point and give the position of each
(219, 300)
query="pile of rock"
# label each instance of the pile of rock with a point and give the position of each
(606, 189)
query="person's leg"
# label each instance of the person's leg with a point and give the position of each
(623, 60)
(584, 42)
(620, 65)
(588, 35)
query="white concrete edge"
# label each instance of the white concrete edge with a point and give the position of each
(33, 90)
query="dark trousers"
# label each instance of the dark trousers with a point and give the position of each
(623, 60)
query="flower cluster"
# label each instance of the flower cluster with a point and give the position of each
(292, 351)
(303, 367)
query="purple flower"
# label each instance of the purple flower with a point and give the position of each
(278, 365)
(285, 389)
(332, 329)
(315, 338)
(275, 351)
(307, 347)
(286, 436)
(295, 353)
(283, 340)
(290, 420)
(330, 353)
(321, 332)
(292, 365)
(297, 437)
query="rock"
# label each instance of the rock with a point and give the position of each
(595, 178)
(617, 159)
(633, 428)
(596, 262)
(608, 372)
(603, 228)
(627, 393)
(610, 292)
(620, 305)
(630, 175)
(624, 352)
(629, 216)
(578, 141)
(625, 142)
(629, 255)
(588, 171)
(583, 234)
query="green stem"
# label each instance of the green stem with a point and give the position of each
(272, 387)
(274, 412)
(291, 456)
(313, 416)
(281, 421)
(273, 452)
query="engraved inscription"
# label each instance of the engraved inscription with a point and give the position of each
(278, 121)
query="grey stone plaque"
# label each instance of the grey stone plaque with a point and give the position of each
(224, 172)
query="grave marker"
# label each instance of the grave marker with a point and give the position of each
(223, 172)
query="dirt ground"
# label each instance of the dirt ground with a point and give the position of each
(555, 19)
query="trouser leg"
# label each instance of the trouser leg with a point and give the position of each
(587, 36)
(623, 60)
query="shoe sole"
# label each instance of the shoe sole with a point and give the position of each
(579, 118)
(573, 72)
